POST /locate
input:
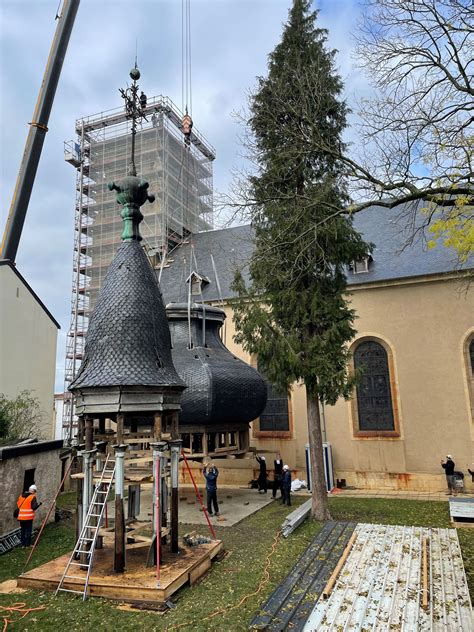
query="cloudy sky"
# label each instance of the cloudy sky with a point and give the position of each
(230, 43)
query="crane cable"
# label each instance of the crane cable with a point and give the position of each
(186, 66)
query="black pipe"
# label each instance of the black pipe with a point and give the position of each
(37, 132)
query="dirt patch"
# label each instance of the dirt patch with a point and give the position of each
(9, 587)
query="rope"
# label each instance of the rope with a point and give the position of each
(19, 607)
(263, 582)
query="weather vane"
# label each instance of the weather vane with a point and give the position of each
(135, 107)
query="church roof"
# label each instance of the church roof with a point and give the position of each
(128, 340)
(394, 257)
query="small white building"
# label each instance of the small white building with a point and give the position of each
(28, 338)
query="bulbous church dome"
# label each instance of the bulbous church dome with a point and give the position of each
(220, 387)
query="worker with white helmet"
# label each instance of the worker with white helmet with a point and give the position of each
(448, 467)
(286, 486)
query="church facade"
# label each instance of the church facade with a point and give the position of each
(415, 338)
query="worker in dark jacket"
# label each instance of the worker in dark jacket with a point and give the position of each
(27, 505)
(262, 477)
(448, 467)
(278, 477)
(286, 486)
(210, 474)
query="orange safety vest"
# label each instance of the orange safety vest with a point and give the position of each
(24, 505)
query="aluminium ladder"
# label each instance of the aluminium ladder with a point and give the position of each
(87, 541)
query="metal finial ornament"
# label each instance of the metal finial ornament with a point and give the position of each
(132, 192)
(135, 109)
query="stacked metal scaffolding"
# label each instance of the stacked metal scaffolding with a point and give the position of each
(179, 175)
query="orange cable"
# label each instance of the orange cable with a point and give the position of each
(20, 607)
(263, 581)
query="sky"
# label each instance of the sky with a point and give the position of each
(230, 42)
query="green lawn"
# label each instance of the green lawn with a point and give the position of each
(239, 574)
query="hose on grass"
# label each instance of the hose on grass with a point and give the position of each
(263, 582)
(19, 607)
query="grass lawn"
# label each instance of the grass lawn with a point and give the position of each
(239, 574)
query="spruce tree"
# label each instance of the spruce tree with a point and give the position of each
(294, 314)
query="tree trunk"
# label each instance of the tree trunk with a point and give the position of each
(319, 506)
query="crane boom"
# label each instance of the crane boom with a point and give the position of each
(37, 132)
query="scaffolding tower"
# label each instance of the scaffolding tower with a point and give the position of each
(179, 172)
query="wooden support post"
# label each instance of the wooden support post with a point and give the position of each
(89, 431)
(119, 548)
(175, 450)
(175, 425)
(80, 489)
(80, 430)
(120, 424)
(157, 426)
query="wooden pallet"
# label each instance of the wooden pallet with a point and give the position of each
(138, 583)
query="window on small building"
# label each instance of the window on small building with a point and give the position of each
(361, 265)
(275, 417)
(29, 479)
(374, 398)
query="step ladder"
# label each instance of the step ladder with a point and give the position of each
(89, 533)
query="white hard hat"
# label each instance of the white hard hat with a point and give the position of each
(32, 488)
(449, 456)
(285, 467)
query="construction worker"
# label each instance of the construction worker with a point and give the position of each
(262, 477)
(27, 505)
(278, 476)
(286, 486)
(210, 474)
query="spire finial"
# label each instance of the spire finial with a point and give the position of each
(132, 192)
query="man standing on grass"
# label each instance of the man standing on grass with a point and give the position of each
(448, 467)
(27, 505)
(286, 486)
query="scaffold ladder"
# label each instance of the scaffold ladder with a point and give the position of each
(83, 553)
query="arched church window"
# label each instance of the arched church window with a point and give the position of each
(374, 397)
(275, 417)
(471, 355)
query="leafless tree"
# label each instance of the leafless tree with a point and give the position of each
(417, 130)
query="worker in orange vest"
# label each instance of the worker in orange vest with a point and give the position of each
(27, 505)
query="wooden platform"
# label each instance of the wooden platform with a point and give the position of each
(137, 583)
(461, 511)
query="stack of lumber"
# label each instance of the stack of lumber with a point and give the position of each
(295, 518)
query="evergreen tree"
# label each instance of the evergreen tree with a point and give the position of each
(295, 315)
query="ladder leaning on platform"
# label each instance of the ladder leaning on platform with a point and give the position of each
(87, 541)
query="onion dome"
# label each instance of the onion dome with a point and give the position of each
(220, 387)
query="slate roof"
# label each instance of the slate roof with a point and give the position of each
(231, 248)
(128, 340)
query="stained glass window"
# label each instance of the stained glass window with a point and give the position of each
(374, 398)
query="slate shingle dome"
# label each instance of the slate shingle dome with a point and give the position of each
(220, 387)
(128, 340)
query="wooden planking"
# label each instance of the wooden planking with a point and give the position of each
(461, 508)
(137, 583)
(197, 572)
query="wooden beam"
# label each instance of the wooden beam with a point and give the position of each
(424, 575)
(332, 580)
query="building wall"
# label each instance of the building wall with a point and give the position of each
(27, 346)
(425, 325)
(47, 479)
